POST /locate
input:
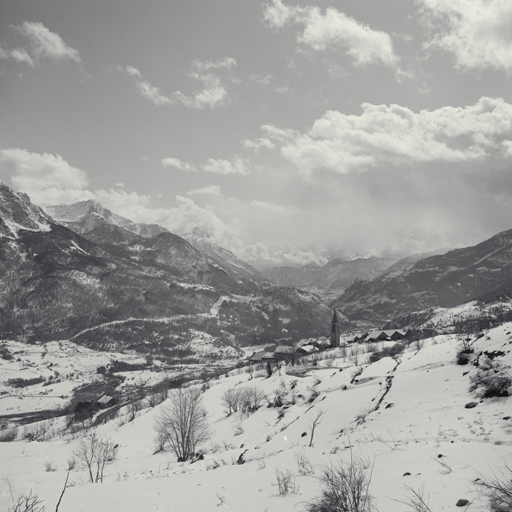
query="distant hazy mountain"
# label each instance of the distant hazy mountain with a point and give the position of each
(481, 272)
(408, 262)
(329, 281)
(87, 215)
(200, 239)
(116, 288)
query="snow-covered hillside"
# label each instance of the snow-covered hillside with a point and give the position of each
(405, 416)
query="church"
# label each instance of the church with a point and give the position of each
(335, 331)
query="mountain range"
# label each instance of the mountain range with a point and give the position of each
(115, 283)
(482, 273)
(332, 279)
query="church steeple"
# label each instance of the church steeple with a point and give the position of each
(335, 331)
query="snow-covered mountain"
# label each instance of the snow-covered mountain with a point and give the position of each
(329, 281)
(17, 214)
(85, 216)
(482, 272)
(113, 287)
(202, 240)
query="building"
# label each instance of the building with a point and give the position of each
(335, 331)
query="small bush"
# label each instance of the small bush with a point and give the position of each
(28, 503)
(303, 464)
(9, 435)
(498, 490)
(464, 351)
(49, 466)
(285, 482)
(23, 383)
(491, 380)
(392, 352)
(345, 488)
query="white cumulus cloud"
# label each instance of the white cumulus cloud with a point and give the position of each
(477, 32)
(212, 190)
(333, 28)
(350, 143)
(46, 178)
(221, 166)
(212, 94)
(179, 164)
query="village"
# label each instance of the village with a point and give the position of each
(274, 355)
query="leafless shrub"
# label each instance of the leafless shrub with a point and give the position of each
(285, 482)
(416, 500)
(183, 425)
(446, 469)
(251, 399)
(29, 503)
(71, 463)
(95, 453)
(498, 490)
(345, 488)
(49, 466)
(8, 435)
(355, 353)
(231, 400)
(278, 396)
(303, 463)
(314, 424)
(419, 344)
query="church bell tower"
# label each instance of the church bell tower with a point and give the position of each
(335, 331)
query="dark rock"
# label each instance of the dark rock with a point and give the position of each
(506, 418)
(470, 405)
(464, 374)
(461, 503)
(389, 406)
(304, 434)
(440, 455)
(407, 474)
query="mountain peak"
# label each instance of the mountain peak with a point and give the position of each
(18, 213)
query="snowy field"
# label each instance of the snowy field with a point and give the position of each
(406, 417)
(65, 366)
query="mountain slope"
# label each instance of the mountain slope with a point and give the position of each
(87, 215)
(330, 280)
(55, 284)
(200, 239)
(437, 281)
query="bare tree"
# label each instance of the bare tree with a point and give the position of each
(251, 399)
(314, 424)
(231, 399)
(183, 424)
(95, 452)
(28, 503)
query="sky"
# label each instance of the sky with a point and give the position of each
(291, 132)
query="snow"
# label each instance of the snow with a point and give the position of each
(403, 416)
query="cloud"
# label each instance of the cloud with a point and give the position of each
(212, 190)
(18, 55)
(264, 80)
(153, 94)
(42, 44)
(333, 29)
(395, 134)
(220, 166)
(477, 32)
(179, 164)
(201, 66)
(45, 177)
(46, 44)
(212, 94)
(257, 144)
